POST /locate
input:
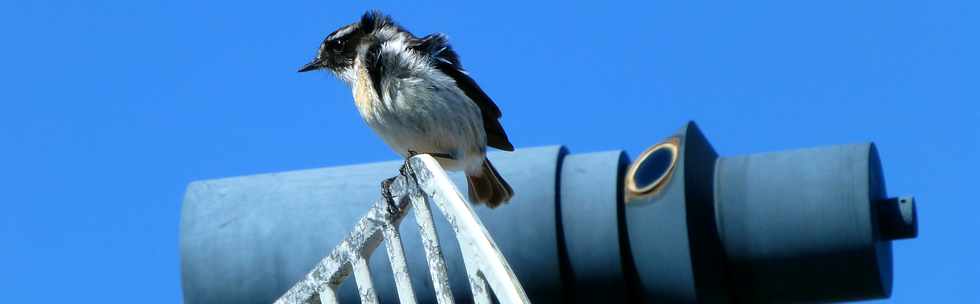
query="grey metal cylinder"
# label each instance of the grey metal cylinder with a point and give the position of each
(248, 239)
(592, 228)
(670, 222)
(803, 225)
(681, 224)
(810, 225)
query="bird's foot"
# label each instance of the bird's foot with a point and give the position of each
(406, 169)
(408, 172)
(389, 198)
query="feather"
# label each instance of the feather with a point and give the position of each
(447, 62)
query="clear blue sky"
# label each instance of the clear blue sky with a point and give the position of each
(109, 109)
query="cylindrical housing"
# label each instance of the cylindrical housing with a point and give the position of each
(801, 226)
(248, 239)
(592, 226)
(810, 225)
(679, 225)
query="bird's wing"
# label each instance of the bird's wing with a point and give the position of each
(447, 61)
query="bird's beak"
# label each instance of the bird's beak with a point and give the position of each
(312, 66)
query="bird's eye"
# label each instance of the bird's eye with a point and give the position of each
(334, 45)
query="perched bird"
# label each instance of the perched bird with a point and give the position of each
(414, 93)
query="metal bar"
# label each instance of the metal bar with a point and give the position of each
(485, 266)
(470, 233)
(481, 294)
(433, 252)
(318, 280)
(362, 275)
(364, 239)
(327, 296)
(399, 267)
(478, 283)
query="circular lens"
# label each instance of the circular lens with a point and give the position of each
(653, 169)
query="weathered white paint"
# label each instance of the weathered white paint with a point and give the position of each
(484, 263)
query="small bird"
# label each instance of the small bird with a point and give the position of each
(414, 93)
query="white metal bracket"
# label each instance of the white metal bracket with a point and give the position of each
(486, 267)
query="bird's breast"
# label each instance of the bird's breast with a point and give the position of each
(365, 97)
(424, 116)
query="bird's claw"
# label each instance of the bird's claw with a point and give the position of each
(409, 173)
(406, 169)
(389, 198)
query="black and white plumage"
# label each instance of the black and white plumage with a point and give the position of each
(415, 94)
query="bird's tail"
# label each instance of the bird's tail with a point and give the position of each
(488, 186)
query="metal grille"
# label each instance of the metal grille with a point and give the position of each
(486, 267)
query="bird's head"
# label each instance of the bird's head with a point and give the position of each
(339, 49)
